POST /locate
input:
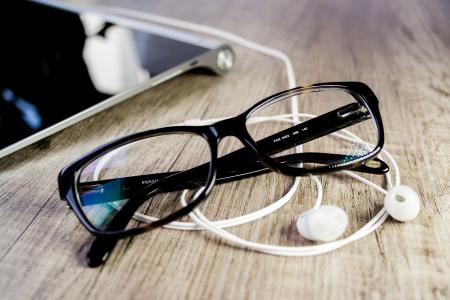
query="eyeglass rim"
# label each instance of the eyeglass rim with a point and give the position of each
(68, 177)
(359, 90)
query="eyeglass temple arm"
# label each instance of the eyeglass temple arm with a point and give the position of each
(98, 191)
(373, 166)
(314, 128)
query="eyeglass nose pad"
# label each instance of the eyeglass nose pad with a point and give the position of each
(228, 144)
(233, 143)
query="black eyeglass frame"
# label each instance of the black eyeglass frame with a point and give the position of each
(213, 133)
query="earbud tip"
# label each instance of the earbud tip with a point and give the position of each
(322, 224)
(402, 203)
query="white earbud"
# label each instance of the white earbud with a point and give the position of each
(402, 203)
(325, 223)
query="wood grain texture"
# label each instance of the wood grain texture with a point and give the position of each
(401, 49)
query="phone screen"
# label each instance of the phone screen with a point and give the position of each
(55, 63)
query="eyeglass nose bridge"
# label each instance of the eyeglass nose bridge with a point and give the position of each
(233, 127)
(236, 127)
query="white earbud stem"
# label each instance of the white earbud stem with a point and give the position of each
(402, 203)
(322, 224)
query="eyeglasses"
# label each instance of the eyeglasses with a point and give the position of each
(147, 171)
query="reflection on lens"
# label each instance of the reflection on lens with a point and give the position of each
(319, 131)
(146, 176)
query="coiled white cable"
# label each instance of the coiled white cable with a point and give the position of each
(199, 220)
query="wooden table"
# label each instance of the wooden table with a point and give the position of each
(400, 48)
